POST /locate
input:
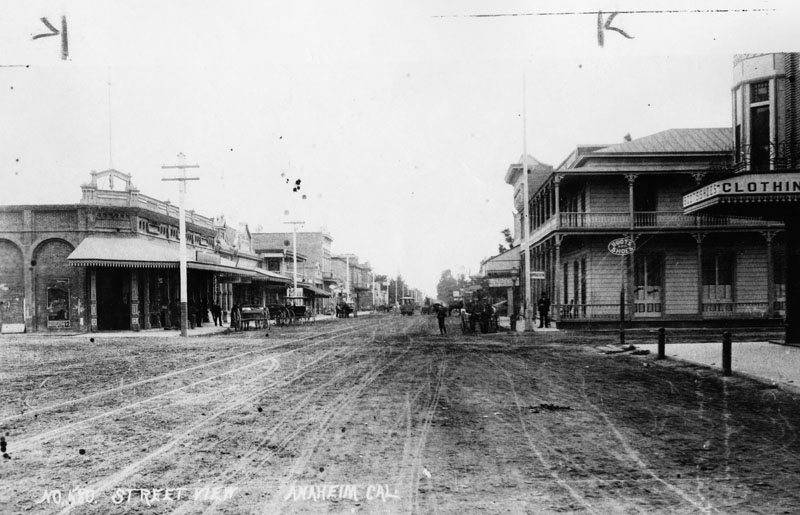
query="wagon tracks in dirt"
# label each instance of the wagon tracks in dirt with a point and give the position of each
(294, 405)
(537, 451)
(413, 472)
(116, 478)
(161, 377)
(634, 457)
(629, 456)
(126, 410)
(322, 423)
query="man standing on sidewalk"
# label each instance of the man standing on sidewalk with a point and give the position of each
(544, 311)
(440, 314)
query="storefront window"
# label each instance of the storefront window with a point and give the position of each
(57, 308)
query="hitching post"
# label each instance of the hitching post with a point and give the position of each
(622, 304)
(662, 340)
(726, 354)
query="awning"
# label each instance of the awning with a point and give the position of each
(319, 292)
(140, 252)
(125, 252)
(269, 276)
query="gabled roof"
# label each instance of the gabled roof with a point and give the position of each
(713, 140)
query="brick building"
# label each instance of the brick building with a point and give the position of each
(110, 262)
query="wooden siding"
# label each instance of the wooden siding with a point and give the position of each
(671, 189)
(604, 280)
(607, 195)
(751, 274)
(680, 280)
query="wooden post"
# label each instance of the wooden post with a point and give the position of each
(622, 316)
(145, 322)
(726, 354)
(93, 300)
(134, 314)
(662, 340)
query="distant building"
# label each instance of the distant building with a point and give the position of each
(314, 267)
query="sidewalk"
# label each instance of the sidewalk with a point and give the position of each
(772, 363)
(504, 323)
(205, 330)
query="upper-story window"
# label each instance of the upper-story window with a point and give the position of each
(759, 92)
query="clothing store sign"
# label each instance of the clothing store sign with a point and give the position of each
(750, 184)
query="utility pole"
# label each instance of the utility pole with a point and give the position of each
(294, 257)
(182, 166)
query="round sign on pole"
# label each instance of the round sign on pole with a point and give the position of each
(622, 246)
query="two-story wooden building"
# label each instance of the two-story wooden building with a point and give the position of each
(686, 268)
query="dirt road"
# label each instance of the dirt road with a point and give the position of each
(381, 415)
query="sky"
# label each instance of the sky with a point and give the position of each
(399, 119)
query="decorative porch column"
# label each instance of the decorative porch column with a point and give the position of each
(559, 279)
(631, 179)
(769, 236)
(93, 300)
(146, 299)
(557, 201)
(699, 237)
(134, 299)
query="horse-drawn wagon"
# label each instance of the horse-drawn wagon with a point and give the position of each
(245, 316)
(290, 312)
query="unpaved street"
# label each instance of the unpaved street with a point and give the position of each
(379, 414)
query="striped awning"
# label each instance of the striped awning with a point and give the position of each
(127, 252)
(142, 252)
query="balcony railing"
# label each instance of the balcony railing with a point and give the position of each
(711, 310)
(650, 219)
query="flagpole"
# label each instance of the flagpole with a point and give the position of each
(525, 211)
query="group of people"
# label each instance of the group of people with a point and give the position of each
(198, 314)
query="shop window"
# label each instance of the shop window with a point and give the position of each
(649, 282)
(57, 307)
(759, 92)
(759, 137)
(718, 277)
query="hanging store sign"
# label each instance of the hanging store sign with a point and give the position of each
(622, 246)
(750, 184)
(537, 275)
(501, 282)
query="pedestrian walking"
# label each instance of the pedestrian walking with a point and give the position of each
(216, 314)
(544, 311)
(441, 313)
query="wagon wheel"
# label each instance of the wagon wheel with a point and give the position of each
(282, 317)
(290, 319)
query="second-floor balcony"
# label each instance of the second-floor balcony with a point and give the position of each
(644, 220)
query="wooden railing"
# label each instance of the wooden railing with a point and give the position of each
(735, 309)
(711, 310)
(588, 311)
(651, 219)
